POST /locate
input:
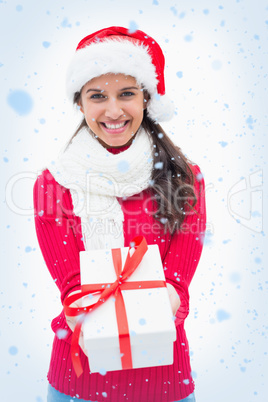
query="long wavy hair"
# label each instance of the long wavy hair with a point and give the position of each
(172, 178)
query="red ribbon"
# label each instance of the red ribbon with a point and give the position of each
(107, 289)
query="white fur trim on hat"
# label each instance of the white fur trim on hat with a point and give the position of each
(160, 108)
(118, 56)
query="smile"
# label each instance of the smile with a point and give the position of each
(115, 126)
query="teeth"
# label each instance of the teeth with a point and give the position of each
(114, 126)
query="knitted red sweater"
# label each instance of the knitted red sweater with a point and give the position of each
(60, 239)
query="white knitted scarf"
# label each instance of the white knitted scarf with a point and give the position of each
(97, 177)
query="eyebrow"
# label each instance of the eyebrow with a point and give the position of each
(94, 90)
(102, 90)
(125, 89)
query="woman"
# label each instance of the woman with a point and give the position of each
(120, 176)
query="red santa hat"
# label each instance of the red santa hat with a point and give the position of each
(117, 50)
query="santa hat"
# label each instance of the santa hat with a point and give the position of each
(117, 50)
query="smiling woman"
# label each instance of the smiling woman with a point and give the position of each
(120, 176)
(113, 106)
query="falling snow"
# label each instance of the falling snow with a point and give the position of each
(132, 27)
(142, 321)
(20, 101)
(222, 315)
(65, 23)
(223, 143)
(123, 166)
(13, 350)
(46, 44)
(158, 165)
(216, 65)
(61, 333)
(188, 38)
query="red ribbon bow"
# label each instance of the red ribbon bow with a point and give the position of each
(107, 289)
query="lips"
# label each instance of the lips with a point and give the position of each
(116, 127)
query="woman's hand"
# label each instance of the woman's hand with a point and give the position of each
(71, 321)
(174, 298)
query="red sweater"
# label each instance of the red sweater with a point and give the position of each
(60, 239)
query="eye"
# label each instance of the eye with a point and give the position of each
(127, 93)
(97, 96)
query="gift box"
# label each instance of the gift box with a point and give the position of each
(139, 329)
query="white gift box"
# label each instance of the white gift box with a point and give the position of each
(149, 315)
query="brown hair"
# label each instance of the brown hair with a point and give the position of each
(172, 177)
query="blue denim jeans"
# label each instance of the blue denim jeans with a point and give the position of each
(190, 398)
(55, 396)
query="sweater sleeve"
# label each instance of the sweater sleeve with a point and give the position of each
(58, 237)
(185, 249)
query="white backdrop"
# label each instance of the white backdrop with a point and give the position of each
(216, 56)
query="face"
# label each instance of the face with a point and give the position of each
(113, 106)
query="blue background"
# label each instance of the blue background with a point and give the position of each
(216, 73)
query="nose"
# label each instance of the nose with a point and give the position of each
(113, 109)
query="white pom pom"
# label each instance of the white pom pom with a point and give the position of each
(160, 108)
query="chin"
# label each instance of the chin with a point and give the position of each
(119, 142)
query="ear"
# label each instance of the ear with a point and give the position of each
(146, 98)
(80, 107)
